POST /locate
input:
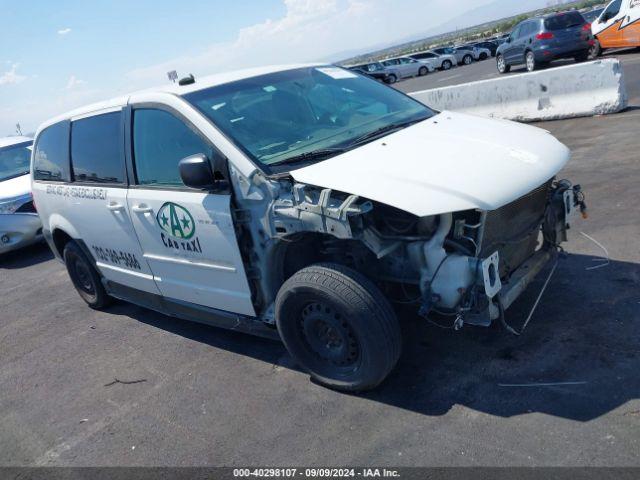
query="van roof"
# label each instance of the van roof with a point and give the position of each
(176, 89)
(14, 140)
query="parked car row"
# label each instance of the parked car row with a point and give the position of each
(422, 63)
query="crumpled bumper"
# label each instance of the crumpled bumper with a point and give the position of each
(19, 230)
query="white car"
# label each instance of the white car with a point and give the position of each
(441, 62)
(19, 222)
(284, 201)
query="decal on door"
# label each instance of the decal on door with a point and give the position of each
(178, 227)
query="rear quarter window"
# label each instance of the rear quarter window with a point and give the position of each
(51, 154)
(566, 20)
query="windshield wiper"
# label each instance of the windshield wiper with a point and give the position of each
(313, 155)
(387, 129)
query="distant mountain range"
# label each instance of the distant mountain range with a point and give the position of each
(493, 11)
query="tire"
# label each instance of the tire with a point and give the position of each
(338, 326)
(446, 65)
(423, 71)
(483, 56)
(596, 50)
(582, 57)
(392, 79)
(85, 277)
(530, 62)
(502, 65)
(467, 60)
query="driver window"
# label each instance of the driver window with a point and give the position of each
(160, 141)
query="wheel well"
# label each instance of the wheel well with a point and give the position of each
(298, 251)
(60, 239)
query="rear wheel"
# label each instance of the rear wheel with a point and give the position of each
(338, 326)
(423, 71)
(502, 64)
(85, 277)
(392, 79)
(467, 59)
(596, 50)
(530, 62)
(483, 56)
(446, 65)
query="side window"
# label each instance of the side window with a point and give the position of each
(51, 157)
(160, 141)
(96, 149)
(612, 10)
(515, 34)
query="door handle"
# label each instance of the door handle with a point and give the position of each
(114, 206)
(142, 208)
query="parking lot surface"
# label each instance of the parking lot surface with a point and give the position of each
(567, 392)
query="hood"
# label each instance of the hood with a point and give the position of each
(15, 187)
(448, 163)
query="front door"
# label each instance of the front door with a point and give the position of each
(188, 236)
(510, 49)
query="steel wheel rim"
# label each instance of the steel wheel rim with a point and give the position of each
(328, 336)
(83, 276)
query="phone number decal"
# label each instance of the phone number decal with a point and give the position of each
(117, 257)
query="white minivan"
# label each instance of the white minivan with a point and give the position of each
(19, 222)
(301, 202)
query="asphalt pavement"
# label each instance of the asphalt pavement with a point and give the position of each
(566, 393)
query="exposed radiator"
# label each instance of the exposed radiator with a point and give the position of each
(513, 229)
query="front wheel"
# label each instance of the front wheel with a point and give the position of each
(530, 61)
(483, 56)
(423, 71)
(85, 277)
(502, 65)
(392, 79)
(338, 326)
(446, 65)
(467, 59)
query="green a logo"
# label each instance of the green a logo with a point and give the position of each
(176, 221)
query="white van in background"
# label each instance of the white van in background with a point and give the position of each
(19, 222)
(618, 26)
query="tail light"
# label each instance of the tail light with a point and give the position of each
(586, 27)
(544, 36)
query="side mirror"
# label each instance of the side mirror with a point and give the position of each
(196, 172)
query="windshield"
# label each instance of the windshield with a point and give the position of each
(284, 116)
(14, 160)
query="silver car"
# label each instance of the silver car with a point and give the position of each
(408, 67)
(441, 62)
(19, 222)
(479, 53)
(462, 56)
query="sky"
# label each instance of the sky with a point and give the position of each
(56, 55)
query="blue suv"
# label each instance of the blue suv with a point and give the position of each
(538, 41)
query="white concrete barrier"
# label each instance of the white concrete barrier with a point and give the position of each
(584, 89)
